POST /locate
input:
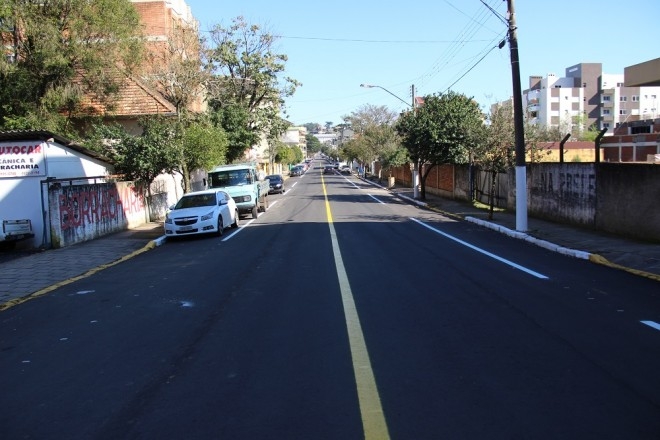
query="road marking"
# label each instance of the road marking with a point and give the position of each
(244, 225)
(653, 324)
(378, 200)
(373, 419)
(464, 243)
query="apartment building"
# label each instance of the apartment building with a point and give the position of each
(586, 97)
(570, 102)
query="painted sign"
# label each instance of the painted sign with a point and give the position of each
(22, 159)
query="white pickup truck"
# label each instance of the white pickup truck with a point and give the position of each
(245, 184)
(15, 230)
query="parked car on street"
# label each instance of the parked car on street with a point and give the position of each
(276, 184)
(296, 171)
(345, 169)
(202, 212)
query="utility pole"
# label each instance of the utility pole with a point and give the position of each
(521, 170)
(415, 171)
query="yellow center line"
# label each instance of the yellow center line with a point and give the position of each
(373, 418)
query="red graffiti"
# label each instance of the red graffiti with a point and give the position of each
(21, 149)
(89, 205)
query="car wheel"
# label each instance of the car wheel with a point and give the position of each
(235, 224)
(255, 211)
(221, 226)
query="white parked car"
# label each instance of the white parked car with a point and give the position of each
(202, 212)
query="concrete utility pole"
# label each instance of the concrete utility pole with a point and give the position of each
(415, 172)
(521, 170)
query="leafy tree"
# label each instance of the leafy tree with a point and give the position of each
(444, 130)
(312, 127)
(204, 146)
(63, 49)
(247, 76)
(235, 120)
(496, 153)
(375, 134)
(297, 154)
(140, 158)
(394, 157)
(313, 143)
(277, 127)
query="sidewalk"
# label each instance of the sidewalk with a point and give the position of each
(38, 273)
(637, 257)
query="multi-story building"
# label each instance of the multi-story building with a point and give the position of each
(586, 97)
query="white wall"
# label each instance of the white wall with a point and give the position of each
(22, 170)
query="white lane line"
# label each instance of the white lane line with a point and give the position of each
(489, 254)
(653, 324)
(379, 201)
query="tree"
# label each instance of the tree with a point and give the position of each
(204, 146)
(235, 120)
(374, 133)
(312, 127)
(277, 127)
(139, 158)
(247, 76)
(313, 143)
(443, 130)
(62, 50)
(496, 153)
(175, 69)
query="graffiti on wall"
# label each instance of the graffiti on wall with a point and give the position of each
(97, 204)
(567, 185)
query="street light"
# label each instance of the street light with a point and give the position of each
(370, 86)
(415, 172)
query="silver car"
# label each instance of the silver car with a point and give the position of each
(202, 212)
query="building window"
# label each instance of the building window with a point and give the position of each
(606, 111)
(623, 111)
(606, 125)
(619, 84)
(623, 98)
(607, 98)
(635, 98)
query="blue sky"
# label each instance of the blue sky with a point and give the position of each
(434, 45)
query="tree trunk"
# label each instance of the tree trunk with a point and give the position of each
(491, 196)
(186, 178)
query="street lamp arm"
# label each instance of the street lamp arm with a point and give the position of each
(370, 86)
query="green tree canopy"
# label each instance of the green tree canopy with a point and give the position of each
(61, 50)
(139, 158)
(248, 77)
(313, 143)
(375, 136)
(443, 130)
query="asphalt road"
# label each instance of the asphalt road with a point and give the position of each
(341, 313)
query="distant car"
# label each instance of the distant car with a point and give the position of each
(276, 184)
(345, 169)
(328, 169)
(201, 212)
(336, 165)
(296, 171)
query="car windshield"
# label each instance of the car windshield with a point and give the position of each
(221, 179)
(274, 178)
(195, 201)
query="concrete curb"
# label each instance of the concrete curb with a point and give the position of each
(528, 238)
